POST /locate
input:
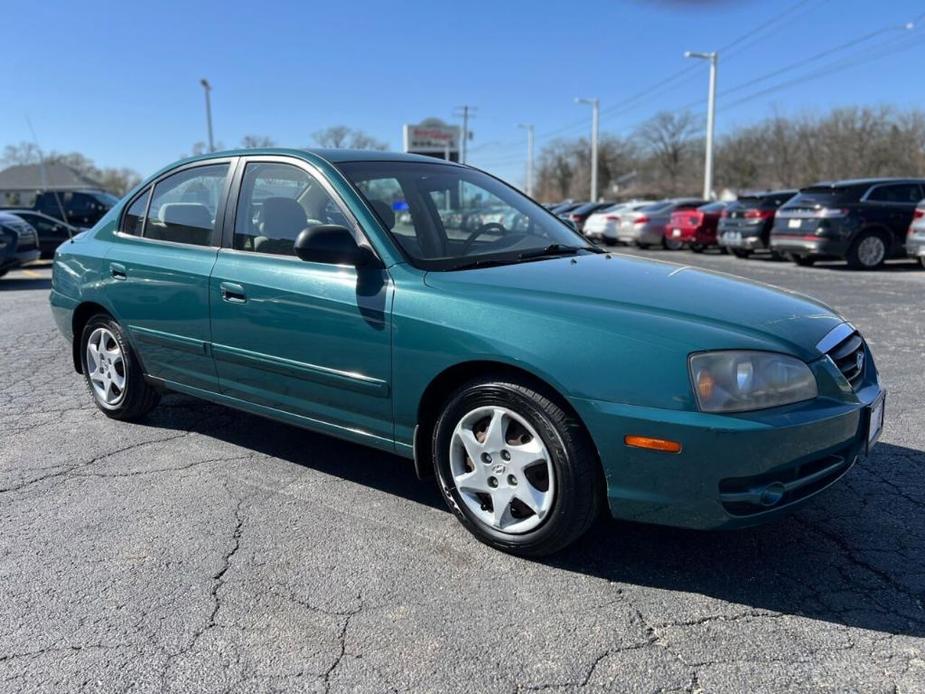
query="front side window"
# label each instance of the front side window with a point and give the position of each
(133, 221)
(447, 217)
(184, 206)
(276, 203)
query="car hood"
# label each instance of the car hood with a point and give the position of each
(662, 302)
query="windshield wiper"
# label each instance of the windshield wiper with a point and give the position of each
(555, 249)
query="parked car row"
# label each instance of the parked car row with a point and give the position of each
(863, 221)
(27, 235)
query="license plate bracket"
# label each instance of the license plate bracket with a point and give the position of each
(875, 413)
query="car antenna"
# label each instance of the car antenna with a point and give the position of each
(44, 171)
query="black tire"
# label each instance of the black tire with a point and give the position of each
(922, 261)
(697, 247)
(3, 272)
(138, 397)
(778, 256)
(804, 260)
(671, 244)
(643, 246)
(860, 260)
(741, 253)
(578, 489)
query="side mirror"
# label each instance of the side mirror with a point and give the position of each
(332, 244)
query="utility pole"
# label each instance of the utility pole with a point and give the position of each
(466, 112)
(711, 120)
(595, 104)
(529, 181)
(208, 88)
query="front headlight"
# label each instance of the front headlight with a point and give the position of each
(737, 381)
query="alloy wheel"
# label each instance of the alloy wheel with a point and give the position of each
(871, 251)
(106, 367)
(502, 469)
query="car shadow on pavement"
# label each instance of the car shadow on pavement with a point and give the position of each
(835, 560)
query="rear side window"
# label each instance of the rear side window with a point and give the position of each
(184, 206)
(134, 219)
(824, 196)
(908, 193)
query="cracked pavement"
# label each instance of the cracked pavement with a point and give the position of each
(209, 550)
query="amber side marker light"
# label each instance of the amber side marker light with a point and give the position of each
(663, 445)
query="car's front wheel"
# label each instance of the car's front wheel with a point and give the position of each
(518, 471)
(112, 371)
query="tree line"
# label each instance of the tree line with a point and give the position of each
(120, 180)
(664, 156)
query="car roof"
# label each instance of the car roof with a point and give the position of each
(863, 181)
(332, 156)
(8, 216)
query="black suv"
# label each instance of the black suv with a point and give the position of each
(863, 221)
(77, 208)
(746, 224)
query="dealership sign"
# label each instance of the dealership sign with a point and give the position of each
(431, 137)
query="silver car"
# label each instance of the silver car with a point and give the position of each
(915, 241)
(646, 226)
(604, 224)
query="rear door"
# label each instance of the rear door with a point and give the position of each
(309, 339)
(893, 205)
(158, 267)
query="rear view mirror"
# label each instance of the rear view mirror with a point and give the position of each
(332, 244)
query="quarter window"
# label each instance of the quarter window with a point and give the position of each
(277, 202)
(908, 193)
(184, 206)
(134, 219)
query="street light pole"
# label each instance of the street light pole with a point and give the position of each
(595, 117)
(711, 120)
(529, 181)
(208, 88)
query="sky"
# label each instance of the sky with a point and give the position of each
(119, 82)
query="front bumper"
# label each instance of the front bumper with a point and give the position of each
(19, 258)
(726, 460)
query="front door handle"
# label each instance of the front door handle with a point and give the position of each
(117, 271)
(232, 293)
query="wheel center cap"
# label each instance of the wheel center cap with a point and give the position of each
(498, 469)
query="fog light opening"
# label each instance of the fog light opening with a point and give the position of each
(772, 494)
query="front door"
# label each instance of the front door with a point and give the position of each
(304, 338)
(157, 272)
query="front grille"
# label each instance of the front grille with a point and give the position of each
(850, 357)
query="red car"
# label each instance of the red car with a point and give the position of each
(695, 228)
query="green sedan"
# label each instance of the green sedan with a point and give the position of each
(430, 310)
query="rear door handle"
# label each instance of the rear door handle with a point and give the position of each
(117, 271)
(232, 293)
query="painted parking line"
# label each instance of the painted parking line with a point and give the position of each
(31, 273)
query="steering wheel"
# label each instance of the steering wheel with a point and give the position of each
(482, 229)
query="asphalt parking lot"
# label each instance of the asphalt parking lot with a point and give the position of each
(209, 550)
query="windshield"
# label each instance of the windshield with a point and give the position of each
(449, 217)
(107, 199)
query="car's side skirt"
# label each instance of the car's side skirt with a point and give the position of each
(348, 433)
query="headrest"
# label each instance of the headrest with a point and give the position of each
(188, 214)
(283, 217)
(384, 211)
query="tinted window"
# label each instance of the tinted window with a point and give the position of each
(134, 218)
(277, 202)
(712, 207)
(184, 205)
(816, 197)
(900, 192)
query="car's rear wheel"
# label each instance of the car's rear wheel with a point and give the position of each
(112, 371)
(672, 244)
(804, 260)
(515, 468)
(741, 253)
(867, 252)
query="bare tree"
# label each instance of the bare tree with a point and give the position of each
(340, 137)
(668, 139)
(117, 180)
(23, 153)
(256, 141)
